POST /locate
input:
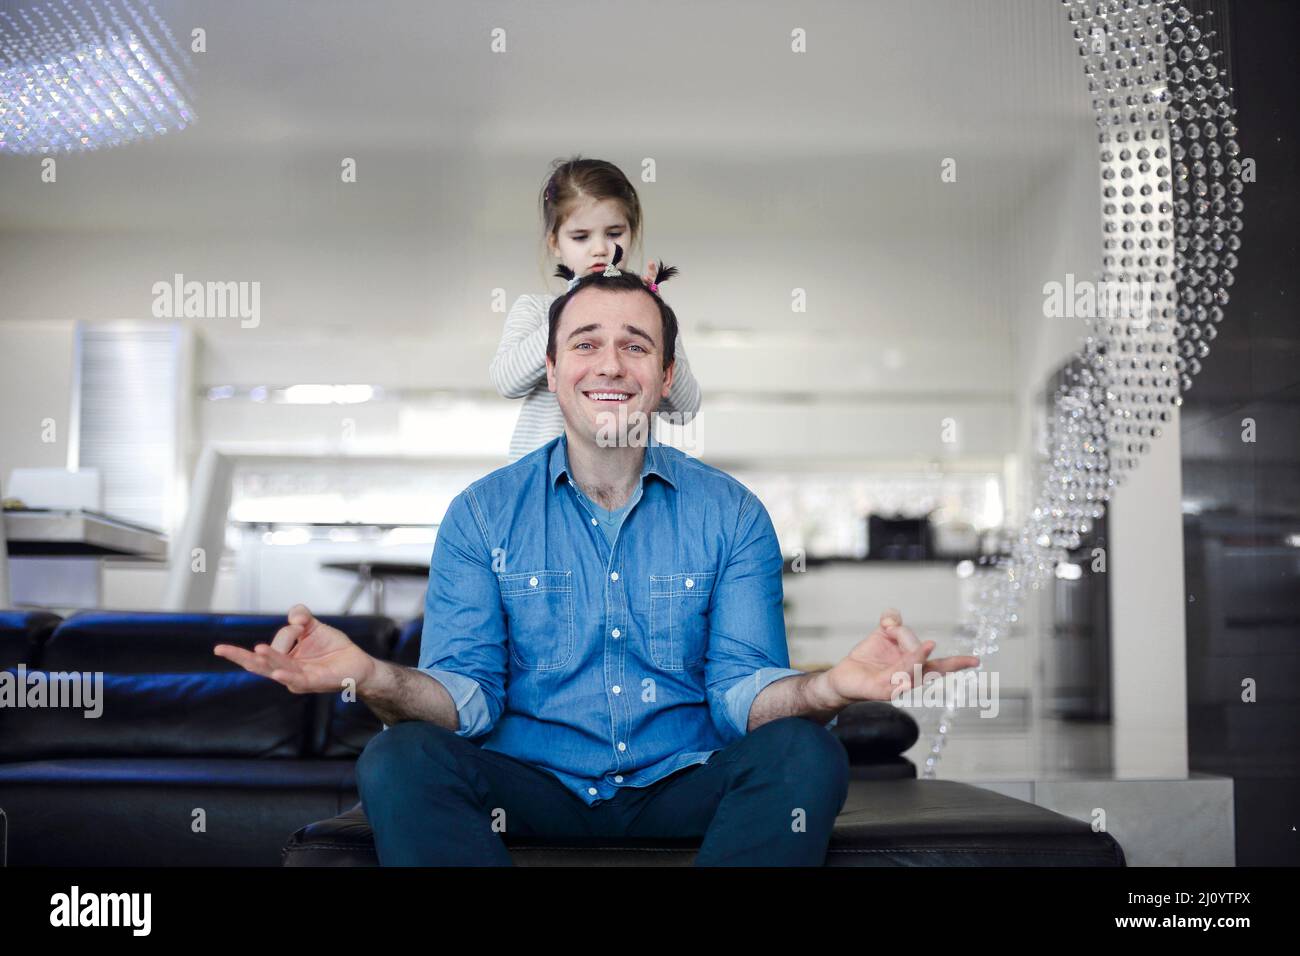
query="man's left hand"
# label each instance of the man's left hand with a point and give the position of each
(867, 673)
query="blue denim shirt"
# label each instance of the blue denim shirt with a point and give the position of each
(608, 666)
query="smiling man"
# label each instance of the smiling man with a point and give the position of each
(604, 649)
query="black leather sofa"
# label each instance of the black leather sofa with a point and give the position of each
(196, 762)
(193, 761)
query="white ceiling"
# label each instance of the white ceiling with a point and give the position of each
(442, 127)
(769, 163)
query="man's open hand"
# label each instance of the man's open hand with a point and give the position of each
(867, 673)
(306, 656)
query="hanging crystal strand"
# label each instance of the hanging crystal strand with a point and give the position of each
(1171, 184)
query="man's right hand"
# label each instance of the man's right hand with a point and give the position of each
(306, 656)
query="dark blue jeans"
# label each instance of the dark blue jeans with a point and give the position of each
(769, 798)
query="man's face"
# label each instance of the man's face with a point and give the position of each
(608, 361)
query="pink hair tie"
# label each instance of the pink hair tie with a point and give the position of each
(654, 287)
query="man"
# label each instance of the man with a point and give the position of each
(604, 649)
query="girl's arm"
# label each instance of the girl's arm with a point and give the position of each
(684, 394)
(520, 362)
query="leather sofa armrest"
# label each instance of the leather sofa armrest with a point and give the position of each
(874, 731)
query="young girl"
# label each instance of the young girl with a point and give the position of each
(587, 206)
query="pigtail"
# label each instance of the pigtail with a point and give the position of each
(665, 273)
(563, 271)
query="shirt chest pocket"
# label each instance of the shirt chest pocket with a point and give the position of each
(679, 618)
(539, 617)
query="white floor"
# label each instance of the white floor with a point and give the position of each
(1066, 766)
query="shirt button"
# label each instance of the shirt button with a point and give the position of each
(613, 575)
(592, 791)
(616, 632)
(616, 689)
(594, 521)
(532, 582)
(622, 746)
(690, 583)
(618, 778)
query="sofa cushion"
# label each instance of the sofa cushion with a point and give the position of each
(883, 823)
(164, 643)
(22, 633)
(136, 642)
(343, 840)
(407, 651)
(874, 731)
(947, 823)
(351, 724)
(149, 715)
(885, 768)
(142, 812)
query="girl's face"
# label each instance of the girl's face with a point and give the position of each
(585, 240)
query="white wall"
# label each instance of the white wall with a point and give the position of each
(36, 374)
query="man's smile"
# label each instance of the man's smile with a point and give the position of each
(608, 397)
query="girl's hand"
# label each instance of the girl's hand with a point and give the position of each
(651, 268)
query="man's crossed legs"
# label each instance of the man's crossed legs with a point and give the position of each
(769, 798)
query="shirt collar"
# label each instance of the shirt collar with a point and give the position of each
(656, 462)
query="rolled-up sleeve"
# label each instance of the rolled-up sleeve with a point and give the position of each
(463, 643)
(747, 642)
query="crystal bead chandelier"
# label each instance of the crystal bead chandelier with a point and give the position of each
(1171, 186)
(97, 75)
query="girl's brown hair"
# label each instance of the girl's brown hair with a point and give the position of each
(575, 179)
